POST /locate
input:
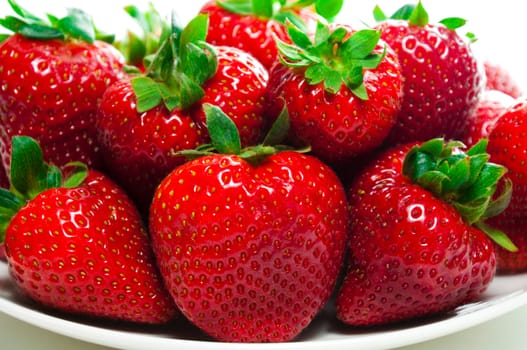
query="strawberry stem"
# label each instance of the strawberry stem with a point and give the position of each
(465, 180)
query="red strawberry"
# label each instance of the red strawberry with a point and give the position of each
(342, 90)
(417, 245)
(507, 146)
(249, 244)
(499, 78)
(442, 78)
(140, 136)
(79, 245)
(251, 25)
(488, 110)
(53, 76)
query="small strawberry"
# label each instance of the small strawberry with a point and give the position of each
(443, 80)
(250, 242)
(251, 25)
(53, 74)
(417, 243)
(144, 121)
(488, 110)
(342, 90)
(78, 245)
(499, 78)
(507, 146)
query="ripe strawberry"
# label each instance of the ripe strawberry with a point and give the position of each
(53, 76)
(507, 146)
(499, 78)
(140, 135)
(249, 243)
(442, 78)
(251, 25)
(417, 245)
(79, 245)
(342, 90)
(488, 110)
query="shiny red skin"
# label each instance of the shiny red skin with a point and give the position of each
(139, 148)
(250, 253)
(338, 127)
(488, 110)
(249, 33)
(499, 78)
(507, 147)
(85, 251)
(411, 254)
(50, 91)
(443, 81)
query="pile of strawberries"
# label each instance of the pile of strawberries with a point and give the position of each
(245, 169)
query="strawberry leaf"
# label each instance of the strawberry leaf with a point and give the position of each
(419, 16)
(279, 130)
(147, 93)
(334, 57)
(223, 132)
(328, 9)
(453, 23)
(78, 25)
(28, 169)
(75, 25)
(465, 180)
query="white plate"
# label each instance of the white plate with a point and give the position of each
(505, 294)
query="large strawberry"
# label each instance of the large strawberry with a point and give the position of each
(78, 244)
(443, 80)
(417, 245)
(145, 121)
(342, 89)
(53, 75)
(252, 25)
(507, 146)
(250, 242)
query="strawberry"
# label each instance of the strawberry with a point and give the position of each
(53, 75)
(249, 241)
(78, 245)
(342, 90)
(141, 131)
(499, 78)
(418, 243)
(488, 110)
(507, 146)
(251, 25)
(443, 79)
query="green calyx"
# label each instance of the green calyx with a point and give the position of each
(175, 74)
(416, 15)
(31, 175)
(76, 25)
(225, 138)
(154, 30)
(333, 57)
(465, 180)
(281, 10)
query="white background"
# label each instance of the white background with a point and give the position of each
(500, 29)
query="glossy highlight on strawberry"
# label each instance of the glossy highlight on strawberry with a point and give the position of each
(418, 245)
